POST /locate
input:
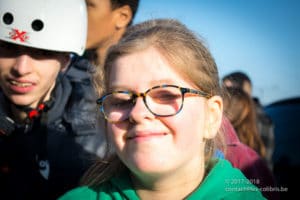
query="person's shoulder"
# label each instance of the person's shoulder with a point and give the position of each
(79, 76)
(80, 69)
(79, 193)
(224, 168)
(223, 181)
(236, 185)
(105, 191)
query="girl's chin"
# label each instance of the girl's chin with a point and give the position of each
(148, 166)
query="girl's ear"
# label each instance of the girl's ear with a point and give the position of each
(214, 119)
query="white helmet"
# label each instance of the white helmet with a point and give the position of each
(56, 25)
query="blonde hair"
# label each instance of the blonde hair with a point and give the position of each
(185, 52)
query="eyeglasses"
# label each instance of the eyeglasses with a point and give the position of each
(161, 101)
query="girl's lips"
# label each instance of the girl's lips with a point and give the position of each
(147, 135)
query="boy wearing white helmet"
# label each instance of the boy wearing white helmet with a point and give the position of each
(49, 132)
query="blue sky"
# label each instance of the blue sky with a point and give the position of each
(259, 37)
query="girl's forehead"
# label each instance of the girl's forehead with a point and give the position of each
(145, 69)
(146, 61)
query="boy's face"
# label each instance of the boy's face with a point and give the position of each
(103, 22)
(247, 88)
(27, 75)
(100, 22)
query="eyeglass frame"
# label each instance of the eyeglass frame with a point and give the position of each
(134, 96)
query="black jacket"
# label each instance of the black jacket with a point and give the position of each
(50, 158)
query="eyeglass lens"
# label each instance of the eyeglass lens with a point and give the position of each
(161, 101)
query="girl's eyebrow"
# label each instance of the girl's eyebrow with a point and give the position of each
(152, 83)
(161, 82)
(118, 88)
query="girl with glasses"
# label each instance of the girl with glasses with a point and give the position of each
(163, 111)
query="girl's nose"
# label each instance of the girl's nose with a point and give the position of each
(140, 111)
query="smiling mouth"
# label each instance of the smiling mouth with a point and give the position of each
(146, 136)
(19, 84)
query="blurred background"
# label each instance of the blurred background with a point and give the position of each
(258, 37)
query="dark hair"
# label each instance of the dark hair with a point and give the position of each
(237, 79)
(133, 4)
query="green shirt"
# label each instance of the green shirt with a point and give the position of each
(222, 182)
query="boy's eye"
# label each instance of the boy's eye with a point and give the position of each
(7, 49)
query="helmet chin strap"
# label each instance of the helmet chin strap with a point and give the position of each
(33, 113)
(8, 125)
